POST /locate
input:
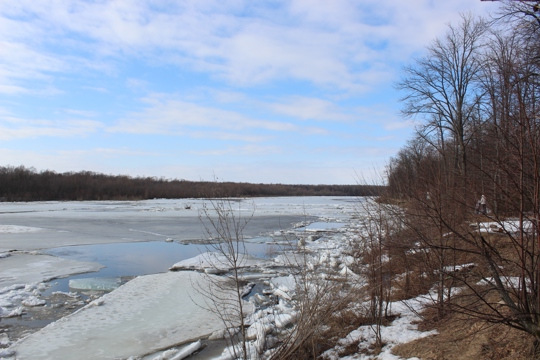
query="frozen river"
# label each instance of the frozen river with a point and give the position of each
(34, 226)
(73, 240)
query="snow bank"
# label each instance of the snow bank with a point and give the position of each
(147, 314)
(400, 331)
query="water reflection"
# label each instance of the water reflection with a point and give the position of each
(134, 259)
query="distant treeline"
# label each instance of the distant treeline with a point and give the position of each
(27, 184)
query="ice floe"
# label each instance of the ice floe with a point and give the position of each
(147, 314)
(27, 268)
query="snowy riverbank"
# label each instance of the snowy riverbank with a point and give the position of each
(162, 311)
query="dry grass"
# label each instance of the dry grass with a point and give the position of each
(466, 339)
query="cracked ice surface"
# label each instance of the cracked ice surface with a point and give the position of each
(147, 314)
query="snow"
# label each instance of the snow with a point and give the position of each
(400, 331)
(507, 226)
(147, 314)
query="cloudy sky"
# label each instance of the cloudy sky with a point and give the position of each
(265, 91)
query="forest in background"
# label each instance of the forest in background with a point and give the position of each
(27, 184)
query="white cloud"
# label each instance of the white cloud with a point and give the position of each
(21, 62)
(398, 125)
(108, 152)
(247, 151)
(178, 117)
(12, 128)
(341, 44)
(85, 113)
(306, 108)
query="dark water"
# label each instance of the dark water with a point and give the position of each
(134, 259)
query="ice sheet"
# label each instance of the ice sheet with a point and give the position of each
(94, 222)
(214, 260)
(106, 284)
(147, 314)
(25, 268)
(322, 226)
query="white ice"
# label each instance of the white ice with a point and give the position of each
(30, 268)
(213, 260)
(105, 284)
(15, 298)
(322, 226)
(147, 314)
(14, 229)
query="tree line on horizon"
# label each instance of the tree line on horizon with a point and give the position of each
(26, 184)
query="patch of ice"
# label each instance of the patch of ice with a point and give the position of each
(33, 301)
(102, 284)
(6, 353)
(187, 350)
(15, 229)
(322, 226)
(215, 262)
(26, 268)
(7, 313)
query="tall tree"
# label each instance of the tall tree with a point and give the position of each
(441, 86)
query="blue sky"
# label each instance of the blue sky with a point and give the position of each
(269, 91)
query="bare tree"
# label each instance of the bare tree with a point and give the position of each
(224, 224)
(441, 86)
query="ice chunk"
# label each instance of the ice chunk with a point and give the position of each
(258, 330)
(33, 301)
(99, 284)
(348, 272)
(283, 320)
(6, 313)
(6, 353)
(323, 226)
(215, 262)
(187, 350)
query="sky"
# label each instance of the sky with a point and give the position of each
(261, 91)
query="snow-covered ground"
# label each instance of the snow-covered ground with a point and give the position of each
(163, 311)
